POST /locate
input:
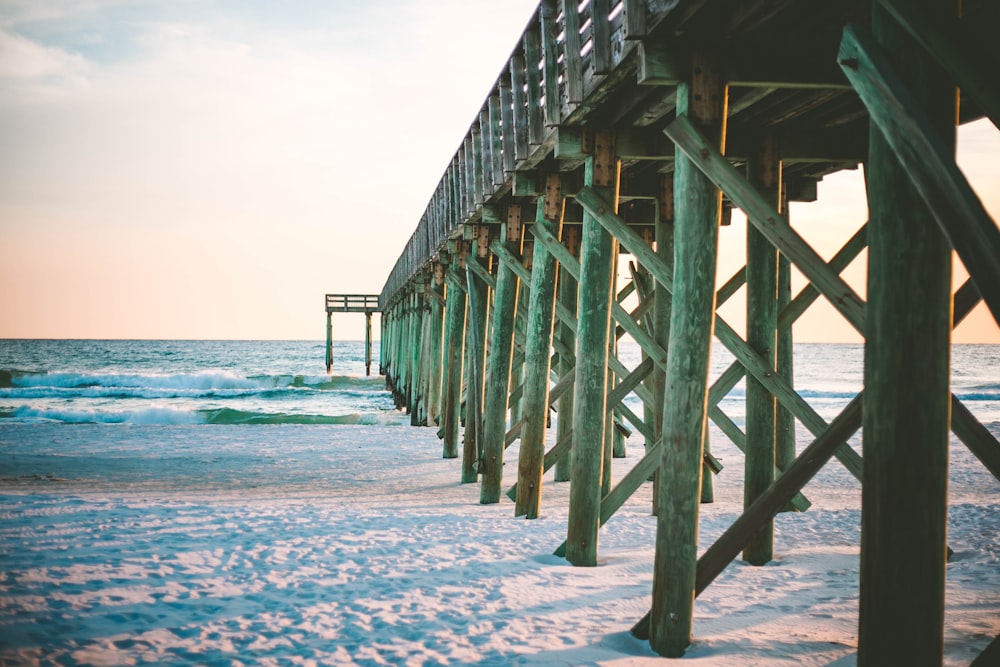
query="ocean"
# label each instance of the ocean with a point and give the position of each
(188, 382)
(218, 414)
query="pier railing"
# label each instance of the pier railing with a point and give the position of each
(352, 303)
(558, 71)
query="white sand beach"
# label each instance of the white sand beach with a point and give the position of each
(356, 545)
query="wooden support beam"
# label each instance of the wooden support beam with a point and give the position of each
(436, 334)
(478, 298)
(762, 322)
(519, 98)
(329, 342)
(784, 421)
(499, 365)
(696, 228)
(906, 405)
(454, 346)
(928, 160)
(538, 343)
(597, 253)
(567, 362)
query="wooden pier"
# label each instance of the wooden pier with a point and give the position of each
(351, 303)
(635, 126)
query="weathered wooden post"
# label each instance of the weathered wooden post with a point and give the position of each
(698, 209)
(414, 329)
(499, 362)
(329, 342)
(454, 345)
(567, 297)
(784, 422)
(762, 317)
(906, 402)
(368, 343)
(662, 307)
(537, 353)
(434, 358)
(597, 254)
(478, 302)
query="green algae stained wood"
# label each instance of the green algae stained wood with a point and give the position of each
(697, 215)
(452, 379)
(477, 297)
(594, 314)
(538, 343)
(498, 369)
(906, 406)
(567, 363)
(436, 335)
(762, 283)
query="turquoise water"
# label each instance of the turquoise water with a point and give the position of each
(284, 382)
(237, 416)
(188, 382)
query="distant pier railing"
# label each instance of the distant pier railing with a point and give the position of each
(351, 303)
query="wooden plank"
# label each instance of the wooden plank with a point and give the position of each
(496, 163)
(533, 83)
(484, 157)
(573, 62)
(600, 35)
(519, 100)
(548, 12)
(635, 19)
(509, 131)
(928, 162)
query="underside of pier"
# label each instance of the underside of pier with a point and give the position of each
(630, 130)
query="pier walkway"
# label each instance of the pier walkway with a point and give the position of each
(630, 130)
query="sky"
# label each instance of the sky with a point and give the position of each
(192, 169)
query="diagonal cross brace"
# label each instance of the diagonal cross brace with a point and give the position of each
(931, 166)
